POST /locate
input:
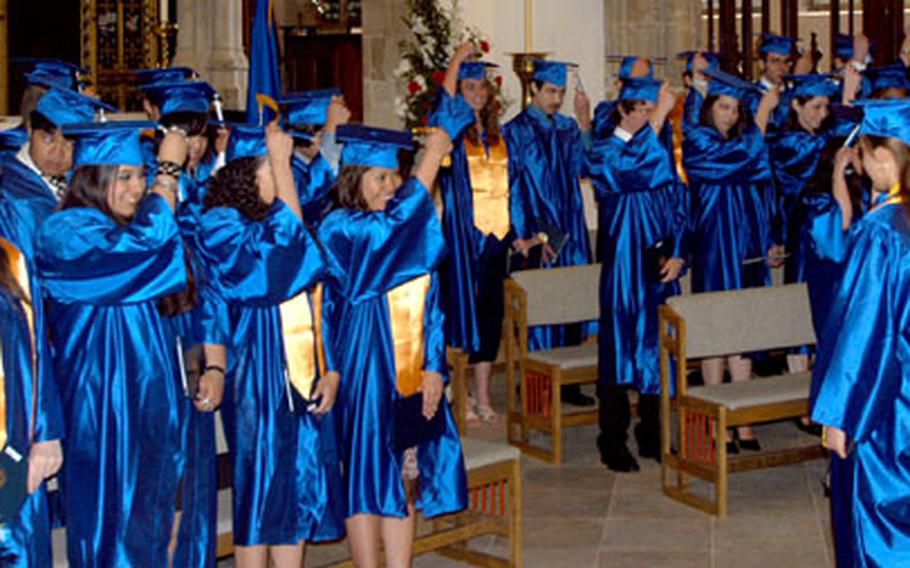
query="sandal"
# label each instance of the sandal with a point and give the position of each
(487, 414)
(471, 417)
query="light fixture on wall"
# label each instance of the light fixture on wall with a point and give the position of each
(523, 63)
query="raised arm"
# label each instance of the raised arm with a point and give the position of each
(462, 53)
(281, 148)
(766, 106)
(666, 100)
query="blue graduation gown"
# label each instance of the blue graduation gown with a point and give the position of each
(314, 181)
(864, 390)
(733, 208)
(117, 372)
(27, 191)
(281, 480)
(640, 203)
(778, 119)
(26, 539)
(544, 169)
(473, 272)
(371, 253)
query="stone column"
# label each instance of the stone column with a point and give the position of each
(193, 34)
(383, 29)
(227, 63)
(659, 28)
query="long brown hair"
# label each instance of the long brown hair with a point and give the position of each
(901, 152)
(348, 189)
(706, 117)
(489, 118)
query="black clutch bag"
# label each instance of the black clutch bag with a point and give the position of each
(13, 483)
(411, 428)
(656, 256)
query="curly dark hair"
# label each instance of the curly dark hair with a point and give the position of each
(235, 185)
(348, 192)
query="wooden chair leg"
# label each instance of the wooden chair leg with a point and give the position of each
(525, 390)
(515, 520)
(722, 469)
(458, 362)
(556, 414)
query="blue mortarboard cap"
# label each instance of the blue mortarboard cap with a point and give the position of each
(245, 141)
(843, 46)
(773, 43)
(180, 96)
(723, 83)
(890, 118)
(65, 106)
(626, 64)
(712, 58)
(11, 139)
(452, 114)
(163, 75)
(107, 143)
(374, 147)
(892, 76)
(307, 107)
(813, 85)
(474, 69)
(52, 72)
(556, 72)
(640, 89)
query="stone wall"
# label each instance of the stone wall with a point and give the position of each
(383, 29)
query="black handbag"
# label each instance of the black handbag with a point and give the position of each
(656, 256)
(13, 483)
(411, 428)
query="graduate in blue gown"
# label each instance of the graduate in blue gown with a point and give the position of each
(34, 178)
(384, 244)
(547, 153)
(640, 205)
(630, 66)
(478, 229)
(263, 263)
(185, 105)
(106, 259)
(733, 204)
(775, 61)
(31, 431)
(311, 118)
(863, 387)
(696, 83)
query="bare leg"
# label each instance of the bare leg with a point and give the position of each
(172, 544)
(713, 370)
(287, 555)
(251, 556)
(363, 539)
(740, 371)
(482, 373)
(398, 539)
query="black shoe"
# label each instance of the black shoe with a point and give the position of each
(732, 448)
(577, 398)
(648, 446)
(619, 459)
(751, 445)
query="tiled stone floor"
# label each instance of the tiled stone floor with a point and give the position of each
(581, 515)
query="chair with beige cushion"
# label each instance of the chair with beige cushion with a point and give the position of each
(563, 295)
(718, 324)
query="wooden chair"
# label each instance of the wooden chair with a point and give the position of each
(718, 324)
(537, 297)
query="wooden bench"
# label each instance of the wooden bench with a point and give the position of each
(538, 297)
(718, 324)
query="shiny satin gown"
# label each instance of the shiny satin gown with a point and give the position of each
(117, 371)
(546, 161)
(284, 486)
(734, 213)
(864, 389)
(27, 191)
(473, 272)
(640, 203)
(314, 181)
(371, 253)
(26, 539)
